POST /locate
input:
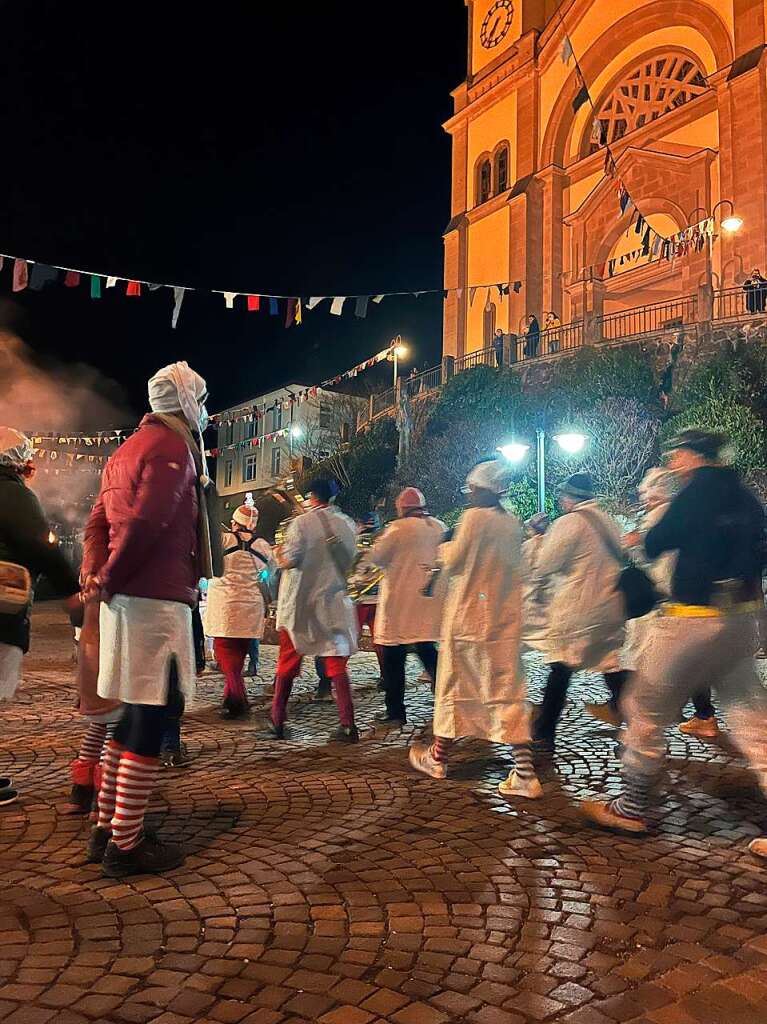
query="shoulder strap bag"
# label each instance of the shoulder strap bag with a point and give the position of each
(338, 554)
(15, 588)
(634, 585)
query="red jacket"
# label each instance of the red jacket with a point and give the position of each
(141, 537)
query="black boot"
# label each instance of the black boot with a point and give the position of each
(345, 734)
(97, 845)
(80, 799)
(150, 857)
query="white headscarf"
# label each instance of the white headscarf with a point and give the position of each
(15, 448)
(177, 388)
(658, 485)
(493, 475)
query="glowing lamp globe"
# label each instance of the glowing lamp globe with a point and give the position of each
(732, 223)
(514, 452)
(571, 443)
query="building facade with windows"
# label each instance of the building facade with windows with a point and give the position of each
(679, 91)
(314, 429)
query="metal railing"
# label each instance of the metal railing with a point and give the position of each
(729, 304)
(421, 384)
(647, 319)
(735, 303)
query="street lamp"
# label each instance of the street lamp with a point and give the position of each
(294, 432)
(398, 351)
(731, 224)
(571, 442)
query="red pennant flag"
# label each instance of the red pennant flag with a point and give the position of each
(20, 275)
(72, 279)
(254, 303)
(134, 288)
(290, 317)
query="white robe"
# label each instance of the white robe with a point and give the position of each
(586, 612)
(534, 596)
(235, 607)
(660, 571)
(313, 605)
(481, 686)
(406, 551)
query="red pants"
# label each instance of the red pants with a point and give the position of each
(289, 666)
(366, 616)
(231, 653)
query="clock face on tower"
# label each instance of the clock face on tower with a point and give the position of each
(496, 25)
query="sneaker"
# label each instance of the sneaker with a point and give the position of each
(515, 785)
(758, 847)
(703, 728)
(8, 796)
(395, 721)
(80, 799)
(97, 845)
(602, 814)
(605, 713)
(345, 734)
(151, 856)
(421, 759)
(175, 758)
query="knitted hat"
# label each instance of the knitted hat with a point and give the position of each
(579, 486)
(707, 443)
(493, 475)
(245, 515)
(539, 522)
(323, 490)
(411, 497)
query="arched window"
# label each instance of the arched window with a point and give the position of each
(655, 87)
(488, 325)
(484, 181)
(501, 169)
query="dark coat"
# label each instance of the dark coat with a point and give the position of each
(141, 537)
(24, 541)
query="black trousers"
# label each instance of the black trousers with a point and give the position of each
(555, 695)
(702, 704)
(142, 726)
(393, 672)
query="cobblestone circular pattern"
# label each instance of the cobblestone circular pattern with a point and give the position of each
(328, 883)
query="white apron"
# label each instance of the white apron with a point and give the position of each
(313, 606)
(406, 551)
(235, 607)
(10, 670)
(586, 614)
(139, 637)
(481, 686)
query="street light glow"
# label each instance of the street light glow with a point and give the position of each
(571, 443)
(400, 351)
(515, 451)
(296, 431)
(732, 223)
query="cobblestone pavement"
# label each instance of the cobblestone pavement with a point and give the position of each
(331, 884)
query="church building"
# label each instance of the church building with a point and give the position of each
(580, 125)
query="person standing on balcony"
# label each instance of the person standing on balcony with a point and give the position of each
(755, 288)
(553, 328)
(498, 340)
(406, 618)
(532, 337)
(481, 687)
(586, 619)
(707, 631)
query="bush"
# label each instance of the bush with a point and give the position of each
(740, 424)
(594, 375)
(484, 395)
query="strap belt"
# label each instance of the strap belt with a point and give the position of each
(703, 611)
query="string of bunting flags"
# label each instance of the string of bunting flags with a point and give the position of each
(653, 245)
(256, 413)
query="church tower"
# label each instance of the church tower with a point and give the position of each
(676, 101)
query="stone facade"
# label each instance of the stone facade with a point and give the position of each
(679, 92)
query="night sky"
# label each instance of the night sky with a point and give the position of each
(277, 147)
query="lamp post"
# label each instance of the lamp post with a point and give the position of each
(730, 224)
(571, 442)
(398, 351)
